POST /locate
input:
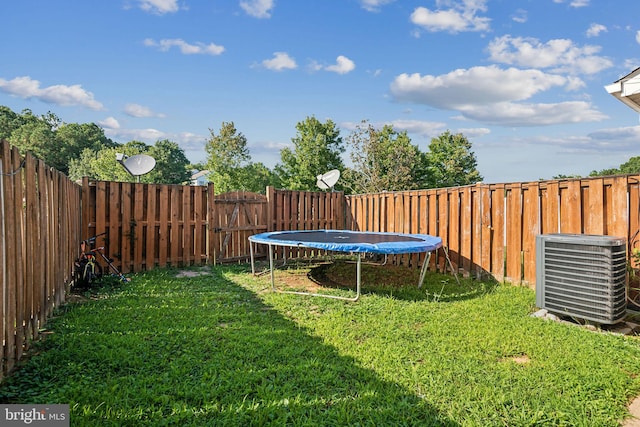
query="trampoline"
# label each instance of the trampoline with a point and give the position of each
(356, 242)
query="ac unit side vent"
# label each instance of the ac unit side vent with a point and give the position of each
(582, 276)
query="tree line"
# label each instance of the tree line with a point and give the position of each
(80, 150)
(382, 159)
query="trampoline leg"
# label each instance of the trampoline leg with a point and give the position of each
(423, 270)
(253, 265)
(273, 283)
(455, 273)
(358, 280)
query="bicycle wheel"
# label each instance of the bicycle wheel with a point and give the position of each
(92, 271)
(79, 280)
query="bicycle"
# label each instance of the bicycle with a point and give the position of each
(87, 269)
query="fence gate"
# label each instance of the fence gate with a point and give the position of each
(236, 216)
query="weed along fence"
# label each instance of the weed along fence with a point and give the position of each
(40, 225)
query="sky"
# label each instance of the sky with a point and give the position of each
(523, 80)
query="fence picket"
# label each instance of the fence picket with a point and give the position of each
(498, 234)
(594, 221)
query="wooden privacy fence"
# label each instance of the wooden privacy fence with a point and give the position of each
(491, 229)
(143, 226)
(40, 223)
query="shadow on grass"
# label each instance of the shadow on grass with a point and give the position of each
(202, 351)
(398, 281)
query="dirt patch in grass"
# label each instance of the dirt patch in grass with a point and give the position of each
(520, 359)
(302, 281)
(192, 273)
(634, 409)
(343, 274)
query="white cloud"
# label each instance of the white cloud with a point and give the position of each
(638, 37)
(631, 64)
(475, 86)
(280, 61)
(186, 140)
(343, 65)
(516, 114)
(460, 16)
(110, 123)
(492, 95)
(419, 127)
(185, 48)
(144, 135)
(136, 110)
(422, 128)
(579, 3)
(474, 132)
(25, 87)
(374, 5)
(575, 3)
(159, 7)
(561, 55)
(520, 16)
(258, 8)
(595, 30)
(625, 138)
(604, 141)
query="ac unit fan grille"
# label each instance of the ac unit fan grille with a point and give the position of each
(582, 276)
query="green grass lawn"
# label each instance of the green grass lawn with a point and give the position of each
(222, 349)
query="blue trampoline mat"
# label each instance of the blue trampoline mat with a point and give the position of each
(351, 241)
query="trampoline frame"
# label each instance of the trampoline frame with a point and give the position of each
(292, 243)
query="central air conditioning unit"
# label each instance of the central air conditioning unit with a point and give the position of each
(582, 276)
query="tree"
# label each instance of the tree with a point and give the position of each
(48, 138)
(171, 163)
(631, 166)
(563, 176)
(74, 138)
(83, 165)
(37, 137)
(317, 149)
(255, 177)
(450, 162)
(227, 153)
(100, 165)
(384, 160)
(9, 121)
(603, 172)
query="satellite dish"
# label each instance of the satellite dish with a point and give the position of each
(140, 164)
(328, 180)
(136, 165)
